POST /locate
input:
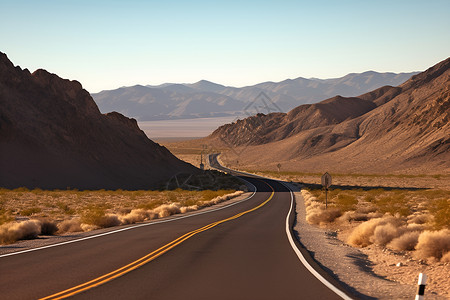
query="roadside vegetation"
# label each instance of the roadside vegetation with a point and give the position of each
(398, 219)
(25, 214)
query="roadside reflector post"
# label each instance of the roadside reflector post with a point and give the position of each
(421, 287)
(326, 183)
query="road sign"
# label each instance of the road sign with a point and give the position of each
(326, 183)
(326, 180)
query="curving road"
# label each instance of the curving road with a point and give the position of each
(242, 251)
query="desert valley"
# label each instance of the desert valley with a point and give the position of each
(72, 166)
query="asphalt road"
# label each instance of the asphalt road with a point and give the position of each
(246, 257)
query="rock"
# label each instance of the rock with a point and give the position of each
(53, 136)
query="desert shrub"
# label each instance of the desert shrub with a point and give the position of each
(368, 208)
(5, 214)
(362, 235)
(151, 204)
(440, 209)
(11, 232)
(385, 233)
(137, 215)
(349, 216)
(66, 209)
(97, 216)
(185, 209)
(48, 227)
(167, 210)
(394, 204)
(30, 211)
(172, 196)
(210, 194)
(419, 219)
(405, 242)
(369, 198)
(320, 216)
(73, 225)
(433, 244)
(346, 202)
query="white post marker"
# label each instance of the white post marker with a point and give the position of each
(421, 287)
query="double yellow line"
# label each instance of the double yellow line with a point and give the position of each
(145, 259)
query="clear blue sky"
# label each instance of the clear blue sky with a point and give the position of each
(108, 44)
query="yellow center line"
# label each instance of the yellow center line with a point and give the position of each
(147, 258)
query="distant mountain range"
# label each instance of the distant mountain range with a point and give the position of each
(52, 135)
(390, 129)
(207, 99)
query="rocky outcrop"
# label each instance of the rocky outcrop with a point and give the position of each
(52, 135)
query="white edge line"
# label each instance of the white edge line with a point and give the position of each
(296, 250)
(128, 228)
(302, 258)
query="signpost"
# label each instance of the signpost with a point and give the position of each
(326, 183)
(279, 167)
(202, 165)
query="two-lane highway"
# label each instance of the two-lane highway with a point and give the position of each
(239, 252)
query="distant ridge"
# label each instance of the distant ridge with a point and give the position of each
(389, 129)
(52, 135)
(209, 99)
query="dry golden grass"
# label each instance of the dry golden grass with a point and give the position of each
(73, 210)
(400, 219)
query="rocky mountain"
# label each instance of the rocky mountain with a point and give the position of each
(390, 129)
(52, 135)
(167, 102)
(208, 99)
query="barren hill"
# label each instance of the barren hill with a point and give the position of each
(209, 99)
(391, 129)
(52, 135)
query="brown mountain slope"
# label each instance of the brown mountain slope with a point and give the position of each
(52, 135)
(409, 131)
(261, 129)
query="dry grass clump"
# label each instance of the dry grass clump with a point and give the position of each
(321, 216)
(405, 242)
(29, 229)
(397, 219)
(97, 216)
(89, 210)
(11, 232)
(420, 218)
(316, 212)
(137, 215)
(433, 244)
(395, 233)
(440, 209)
(48, 227)
(363, 234)
(72, 225)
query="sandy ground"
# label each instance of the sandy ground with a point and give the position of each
(372, 272)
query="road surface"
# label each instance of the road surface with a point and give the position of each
(246, 255)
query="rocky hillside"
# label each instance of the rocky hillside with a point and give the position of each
(403, 128)
(52, 135)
